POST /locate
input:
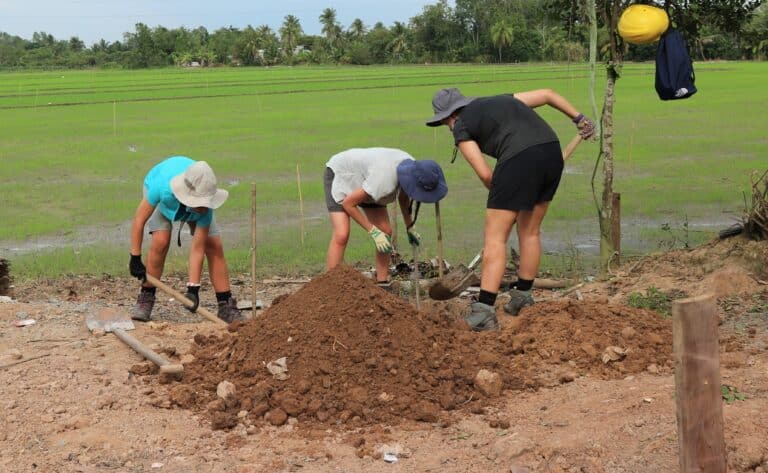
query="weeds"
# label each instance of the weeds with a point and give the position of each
(675, 237)
(731, 394)
(654, 299)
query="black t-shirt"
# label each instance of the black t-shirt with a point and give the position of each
(502, 126)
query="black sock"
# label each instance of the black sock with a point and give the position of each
(523, 284)
(487, 297)
(223, 296)
(151, 290)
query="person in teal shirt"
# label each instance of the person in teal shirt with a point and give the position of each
(182, 190)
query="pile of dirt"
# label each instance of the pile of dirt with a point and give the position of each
(359, 355)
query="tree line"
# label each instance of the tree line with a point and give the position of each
(472, 31)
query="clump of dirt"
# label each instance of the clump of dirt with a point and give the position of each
(358, 355)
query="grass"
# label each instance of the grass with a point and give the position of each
(76, 145)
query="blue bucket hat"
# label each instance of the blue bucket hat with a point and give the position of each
(422, 181)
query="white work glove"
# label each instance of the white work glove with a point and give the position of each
(413, 237)
(382, 240)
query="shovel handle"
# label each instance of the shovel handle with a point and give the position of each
(183, 299)
(568, 151)
(164, 365)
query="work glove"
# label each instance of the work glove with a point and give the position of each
(137, 268)
(382, 240)
(585, 125)
(192, 294)
(414, 238)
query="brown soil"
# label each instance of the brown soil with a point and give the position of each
(72, 401)
(359, 355)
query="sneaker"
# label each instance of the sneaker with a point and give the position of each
(228, 311)
(143, 308)
(482, 317)
(518, 300)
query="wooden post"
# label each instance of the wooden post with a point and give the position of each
(616, 225)
(697, 385)
(301, 207)
(439, 241)
(253, 249)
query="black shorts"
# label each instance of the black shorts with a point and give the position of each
(526, 179)
(331, 204)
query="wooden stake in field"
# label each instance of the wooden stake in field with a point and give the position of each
(697, 385)
(114, 118)
(439, 241)
(301, 205)
(253, 249)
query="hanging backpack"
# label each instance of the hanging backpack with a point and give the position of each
(674, 68)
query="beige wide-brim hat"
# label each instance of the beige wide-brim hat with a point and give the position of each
(196, 187)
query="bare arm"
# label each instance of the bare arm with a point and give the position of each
(143, 212)
(537, 98)
(474, 157)
(405, 203)
(197, 253)
(350, 203)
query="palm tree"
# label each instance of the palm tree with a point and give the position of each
(501, 35)
(328, 20)
(357, 29)
(290, 33)
(399, 44)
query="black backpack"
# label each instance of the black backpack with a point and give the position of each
(674, 68)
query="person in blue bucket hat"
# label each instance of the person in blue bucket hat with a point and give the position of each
(520, 187)
(360, 182)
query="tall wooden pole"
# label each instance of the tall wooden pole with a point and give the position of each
(697, 385)
(301, 205)
(253, 249)
(616, 225)
(439, 241)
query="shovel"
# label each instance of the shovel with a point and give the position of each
(117, 322)
(456, 281)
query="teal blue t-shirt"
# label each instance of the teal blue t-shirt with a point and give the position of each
(157, 185)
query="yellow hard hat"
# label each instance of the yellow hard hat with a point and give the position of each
(642, 24)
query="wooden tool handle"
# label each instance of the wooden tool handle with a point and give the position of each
(165, 365)
(183, 299)
(439, 241)
(568, 151)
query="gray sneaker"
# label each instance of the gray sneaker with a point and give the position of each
(228, 311)
(482, 317)
(518, 300)
(143, 308)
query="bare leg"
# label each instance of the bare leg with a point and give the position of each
(498, 225)
(529, 234)
(339, 239)
(379, 217)
(217, 264)
(158, 249)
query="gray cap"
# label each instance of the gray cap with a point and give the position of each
(445, 102)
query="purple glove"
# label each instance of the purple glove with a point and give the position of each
(585, 125)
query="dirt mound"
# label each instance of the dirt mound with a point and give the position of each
(358, 355)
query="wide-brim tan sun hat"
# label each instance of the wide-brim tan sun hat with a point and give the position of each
(196, 187)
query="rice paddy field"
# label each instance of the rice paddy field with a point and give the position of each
(75, 146)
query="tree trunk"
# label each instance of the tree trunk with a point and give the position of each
(606, 148)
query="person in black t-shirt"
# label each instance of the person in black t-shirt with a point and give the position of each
(521, 186)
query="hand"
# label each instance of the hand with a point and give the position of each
(137, 268)
(192, 294)
(585, 125)
(414, 238)
(382, 240)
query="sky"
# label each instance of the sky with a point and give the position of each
(92, 20)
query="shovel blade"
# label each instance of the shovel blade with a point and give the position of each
(108, 319)
(453, 284)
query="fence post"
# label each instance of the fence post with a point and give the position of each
(697, 385)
